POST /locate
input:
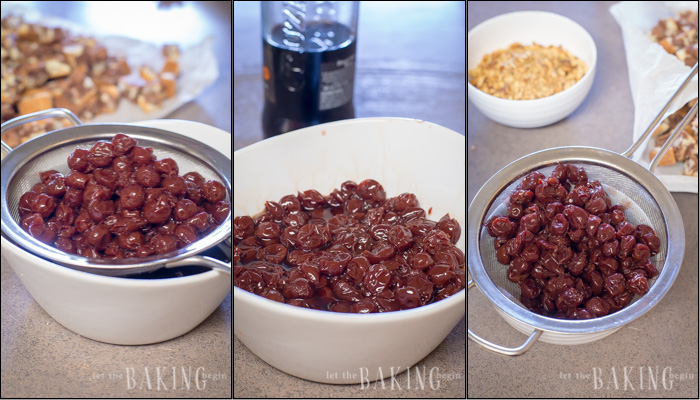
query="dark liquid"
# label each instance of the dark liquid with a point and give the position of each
(310, 85)
(167, 273)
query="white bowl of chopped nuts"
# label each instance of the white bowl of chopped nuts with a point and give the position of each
(529, 69)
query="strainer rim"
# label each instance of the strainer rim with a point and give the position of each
(602, 157)
(214, 159)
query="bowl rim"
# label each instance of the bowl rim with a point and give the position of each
(114, 281)
(178, 126)
(664, 281)
(551, 98)
(320, 315)
(330, 316)
(88, 133)
(443, 130)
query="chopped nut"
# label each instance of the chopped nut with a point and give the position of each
(684, 147)
(667, 159)
(689, 54)
(27, 32)
(99, 68)
(97, 54)
(667, 45)
(43, 67)
(168, 82)
(7, 111)
(171, 52)
(118, 67)
(690, 167)
(75, 49)
(11, 138)
(8, 94)
(108, 98)
(75, 54)
(131, 86)
(57, 69)
(147, 74)
(171, 67)
(525, 73)
(35, 100)
(49, 35)
(88, 83)
(679, 36)
(146, 105)
(151, 97)
(14, 54)
(663, 128)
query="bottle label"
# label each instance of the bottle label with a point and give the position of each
(310, 84)
(336, 83)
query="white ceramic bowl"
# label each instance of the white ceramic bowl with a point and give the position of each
(405, 156)
(563, 339)
(525, 27)
(126, 311)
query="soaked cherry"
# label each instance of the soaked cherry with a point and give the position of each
(573, 253)
(353, 251)
(118, 201)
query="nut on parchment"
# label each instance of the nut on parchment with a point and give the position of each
(57, 69)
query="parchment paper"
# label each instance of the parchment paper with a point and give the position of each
(198, 66)
(654, 76)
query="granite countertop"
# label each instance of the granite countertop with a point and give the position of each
(665, 339)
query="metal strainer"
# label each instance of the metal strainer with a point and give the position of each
(646, 201)
(21, 167)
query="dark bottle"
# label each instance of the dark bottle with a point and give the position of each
(308, 63)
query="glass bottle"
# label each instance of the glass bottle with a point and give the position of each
(308, 63)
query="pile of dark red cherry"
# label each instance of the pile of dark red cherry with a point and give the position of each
(353, 251)
(573, 253)
(119, 201)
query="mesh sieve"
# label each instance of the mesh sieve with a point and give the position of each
(644, 197)
(640, 208)
(20, 171)
(28, 174)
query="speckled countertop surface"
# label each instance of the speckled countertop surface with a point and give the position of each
(41, 358)
(665, 339)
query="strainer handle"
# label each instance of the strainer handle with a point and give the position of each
(506, 351)
(629, 152)
(5, 149)
(25, 119)
(201, 261)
